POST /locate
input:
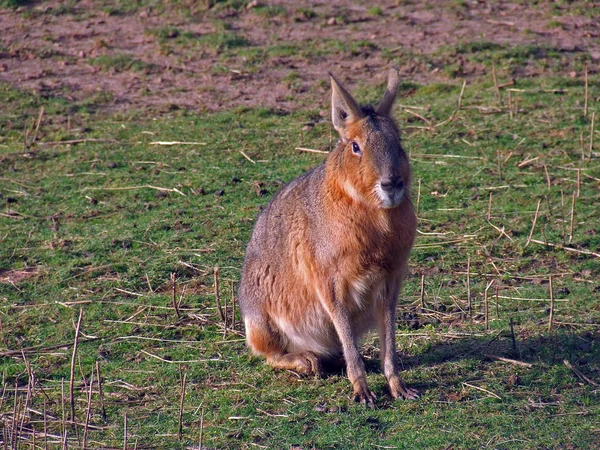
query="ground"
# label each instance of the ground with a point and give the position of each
(209, 56)
(138, 141)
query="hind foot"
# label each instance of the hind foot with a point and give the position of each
(305, 363)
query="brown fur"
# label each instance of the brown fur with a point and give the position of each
(328, 254)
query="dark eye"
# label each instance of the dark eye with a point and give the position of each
(356, 149)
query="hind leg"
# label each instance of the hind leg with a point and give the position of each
(267, 342)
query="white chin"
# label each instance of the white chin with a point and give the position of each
(390, 199)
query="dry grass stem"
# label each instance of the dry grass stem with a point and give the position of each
(428, 122)
(133, 188)
(586, 92)
(460, 96)
(217, 297)
(496, 87)
(423, 291)
(592, 135)
(181, 400)
(569, 249)
(547, 177)
(469, 306)
(486, 305)
(88, 411)
(125, 431)
(247, 157)
(509, 360)
(191, 361)
(579, 374)
(537, 210)
(170, 143)
(418, 197)
(37, 125)
(78, 141)
(551, 316)
(233, 300)
(310, 150)
(72, 379)
(572, 221)
(489, 214)
(100, 392)
(512, 335)
(201, 430)
(174, 294)
(482, 390)
(578, 182)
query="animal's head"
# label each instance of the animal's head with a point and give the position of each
(370, 163)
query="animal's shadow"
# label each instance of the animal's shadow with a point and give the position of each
(580, 350)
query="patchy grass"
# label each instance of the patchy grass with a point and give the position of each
(100, 226)
(97, 217)
(121, 63)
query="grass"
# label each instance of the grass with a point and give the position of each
(101, 224)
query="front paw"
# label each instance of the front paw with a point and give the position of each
(362, 394)
(399, 389)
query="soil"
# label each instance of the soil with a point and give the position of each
(56, 50)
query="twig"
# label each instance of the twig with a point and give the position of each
(247, 157)
(537, 210)
(578, 182)
(310, 150)
(482, 389)
(578, 373)
(181, 400)
(72, 382)
(508, 360)
(217, 297)
(551, 317)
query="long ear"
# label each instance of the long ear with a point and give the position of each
(387, 102)
(344, 108)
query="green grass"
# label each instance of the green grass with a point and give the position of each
(101, 225)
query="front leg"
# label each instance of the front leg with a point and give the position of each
(386, 318)
(354, 363)
(340, 316)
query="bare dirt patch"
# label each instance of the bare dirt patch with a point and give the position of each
(17, 276)
(274, 54)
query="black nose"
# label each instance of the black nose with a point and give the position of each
(392, 184)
